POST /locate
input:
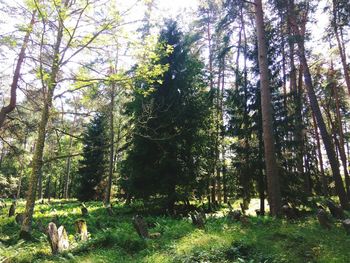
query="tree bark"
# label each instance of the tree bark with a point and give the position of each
(320, 158)
(339, 125)
(273, 184)
(341, 47)
(40, 142)
(319, 118)
(13, 97)
(69, 161)
(111, 149)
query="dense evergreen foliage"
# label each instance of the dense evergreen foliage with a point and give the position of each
(232, 102)
(92, 167)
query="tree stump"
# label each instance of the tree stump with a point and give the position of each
(235, 215)
(323, 219)
(140, 226)
(84, 211)
(63, 241)
(58, 238)
(52, 235)
(346, 225)
(335, 210)
(12, 209)
(288, 212)
(198, 219)
(20, 218)
(81, 229)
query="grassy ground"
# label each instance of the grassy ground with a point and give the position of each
(113, 239)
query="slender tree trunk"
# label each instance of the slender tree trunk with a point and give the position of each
(298, 95)
(69, 161)
(273, 184)
(11, 106)
(339, 125)
(212, 176)
(320, 158)
(18, 195)
(261, 178)
(341, 47)
(319, 118)
(111, 149)
(40, 142)
(67, 175)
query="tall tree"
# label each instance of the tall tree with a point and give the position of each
(273, 184)
(94, 163)
(333, 160)
(49, 77)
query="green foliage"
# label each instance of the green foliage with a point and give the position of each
(169, 118)
(93, 165)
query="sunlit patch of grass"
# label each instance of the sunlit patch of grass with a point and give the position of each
(113, 238)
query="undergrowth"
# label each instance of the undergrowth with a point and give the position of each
(113, 238)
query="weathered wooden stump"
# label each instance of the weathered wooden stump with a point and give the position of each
(193, 218)
(84, 210)
(20, 218)
(63, 241)
(288, 212)
(335, 210)
(58, 238)
(323, 219)
(140, 226)
(52, 235)
(346, 225)
(234, 215)
(12, 209)
(81, 229)
(198, 219)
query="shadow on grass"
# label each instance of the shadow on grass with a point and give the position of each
(106, 232)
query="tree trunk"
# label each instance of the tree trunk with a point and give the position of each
(298, 95)
(319, 118)
(273, 184)
(261, 178)
(320, 158)
(324, 133)
(40, 142)
(111, 149)
(13, 98)
(341, 146)
(341, 47)
(40, 185)
(69, 161)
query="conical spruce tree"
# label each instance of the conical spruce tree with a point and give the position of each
(93, 165)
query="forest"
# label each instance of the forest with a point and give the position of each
(175, 131)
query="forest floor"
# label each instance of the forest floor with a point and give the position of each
(114, 239)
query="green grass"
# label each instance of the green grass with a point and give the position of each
(113, 238)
